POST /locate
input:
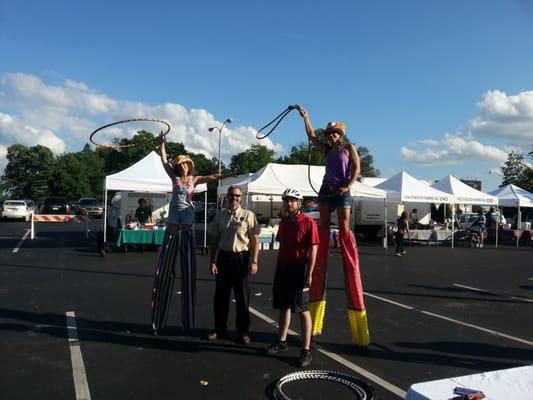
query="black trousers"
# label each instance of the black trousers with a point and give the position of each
(233, 274)
(399, 242)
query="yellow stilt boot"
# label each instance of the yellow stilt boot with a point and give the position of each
(318, 311)
(359, 327)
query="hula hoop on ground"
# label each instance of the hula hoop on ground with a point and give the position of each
(361, 389)
(124, 121)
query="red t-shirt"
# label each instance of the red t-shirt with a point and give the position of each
(295, 237)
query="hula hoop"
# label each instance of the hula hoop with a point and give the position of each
(124, 121)
(361, 389)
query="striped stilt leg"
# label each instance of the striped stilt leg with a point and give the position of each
(354, 290)
(317, 295)
(188, 278)
(164, 281)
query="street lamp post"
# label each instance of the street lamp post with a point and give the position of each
(219, 129)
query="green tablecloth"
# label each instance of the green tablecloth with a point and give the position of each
(141, 236)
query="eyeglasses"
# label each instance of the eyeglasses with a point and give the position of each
(331, 133)
(234, 196)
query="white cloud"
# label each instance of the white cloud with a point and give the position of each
(32, 90)
(3, 159)
(58, 114)
(505, 117)
(454, 149)
(13, 131)
(507, 121)
(429, 142)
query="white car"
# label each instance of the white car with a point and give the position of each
(315, 214)
(17, 209)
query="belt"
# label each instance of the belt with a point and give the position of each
(235, 253)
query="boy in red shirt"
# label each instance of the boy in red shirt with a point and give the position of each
(298, 245)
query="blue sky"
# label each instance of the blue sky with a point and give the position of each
(431, 88)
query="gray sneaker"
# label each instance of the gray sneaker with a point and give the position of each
(305, 359)
(277, 347)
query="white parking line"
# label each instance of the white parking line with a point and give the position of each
(479, 328)
(493, 293)
(348, 364)
(455, 321)
(388, 301)
(78, 367)
(19, 244)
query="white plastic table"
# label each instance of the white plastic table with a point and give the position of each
(505, 384)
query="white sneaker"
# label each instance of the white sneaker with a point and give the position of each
(398, 254)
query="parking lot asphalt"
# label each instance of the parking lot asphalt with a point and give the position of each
(436, 312)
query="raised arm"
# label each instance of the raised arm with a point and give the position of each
(163, 153)
(210, 178)
(310, 131)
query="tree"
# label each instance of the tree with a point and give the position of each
(252, 159)
(528, 185)
(70, 177)
(299, 154)
(28, 171)
(117, 159)
(515, 170)
(77, 175)
(367, 163)
(96, 173)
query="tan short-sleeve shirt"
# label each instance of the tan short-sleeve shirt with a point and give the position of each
(231, 231)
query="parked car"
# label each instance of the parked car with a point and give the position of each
(54, 205)
(16, 209)
(90, 207)
(199, 211)
(466, 220)
(315, 214)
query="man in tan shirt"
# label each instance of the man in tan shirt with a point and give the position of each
(233, 248)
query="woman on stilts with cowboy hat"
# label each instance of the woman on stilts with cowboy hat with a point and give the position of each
(342, 169)
(179, 239)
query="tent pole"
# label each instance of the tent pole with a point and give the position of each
(498, 224)
(105, 213)
(518, 224)
(386, 225)
(205, 219)
(453, 222)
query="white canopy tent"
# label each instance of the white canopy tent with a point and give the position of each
(275, 178)
(404, 188)
(146, 175)
(514, 196)
(464, 194)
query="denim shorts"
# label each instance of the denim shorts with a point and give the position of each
(334, 201)
(182, 217)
